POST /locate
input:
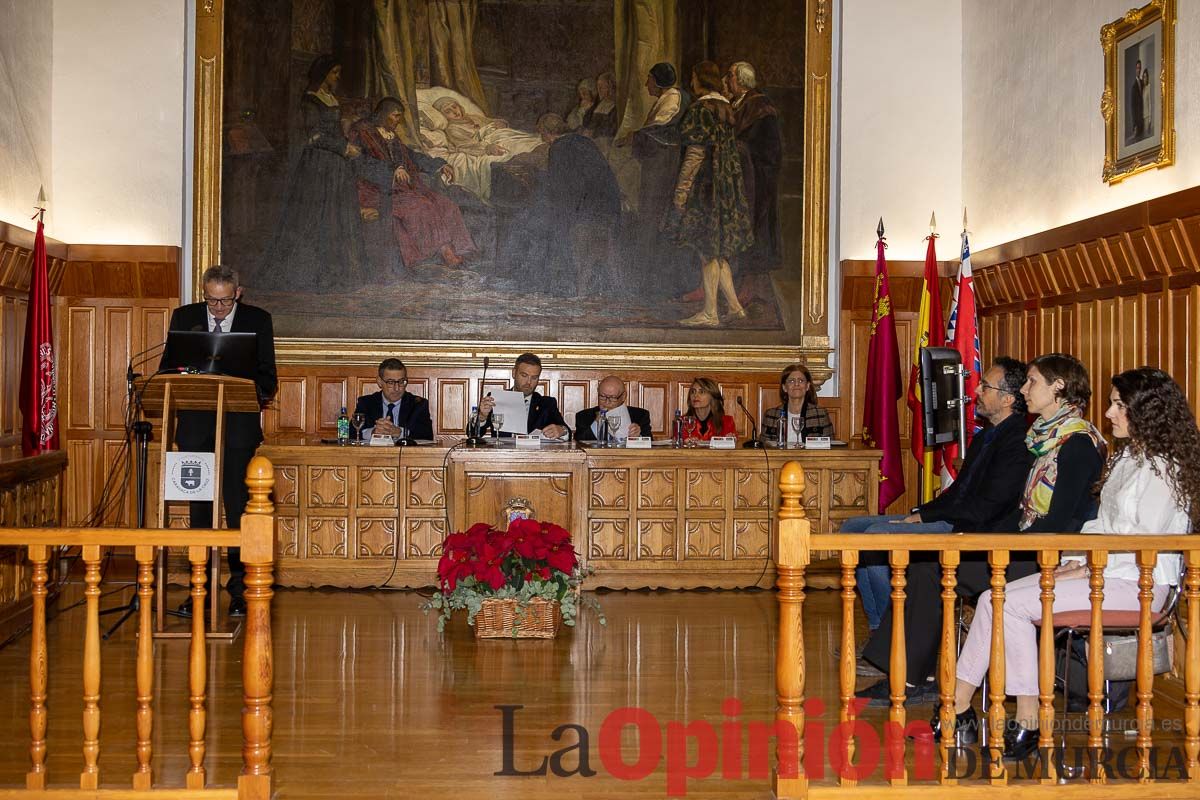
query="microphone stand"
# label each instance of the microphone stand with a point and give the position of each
(752, 443)
(475, 437)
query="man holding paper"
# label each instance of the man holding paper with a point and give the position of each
(393, 407)
(631, 422)
(540, 413)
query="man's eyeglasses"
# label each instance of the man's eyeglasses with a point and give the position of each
(611, 398)
(220, 302)
(394, 384)
(985, 386)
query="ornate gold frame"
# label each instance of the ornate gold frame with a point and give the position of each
(1163, 154)
(813, 342)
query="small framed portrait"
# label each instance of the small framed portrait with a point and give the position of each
(1138, 104)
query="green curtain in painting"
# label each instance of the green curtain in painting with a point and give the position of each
(395, 43)
(645, 32)
(391, 68)
(452, 50)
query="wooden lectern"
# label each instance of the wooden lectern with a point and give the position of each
(165, 394)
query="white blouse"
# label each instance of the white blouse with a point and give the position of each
(1135, 500)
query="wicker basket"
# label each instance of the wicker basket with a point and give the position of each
(504, 619)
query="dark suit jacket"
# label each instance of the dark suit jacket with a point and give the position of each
(990, 483)
(196, 430)
(543, 411)
(585, 418)
(413, 413)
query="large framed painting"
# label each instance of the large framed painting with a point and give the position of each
(1138, 104)
(646, 176)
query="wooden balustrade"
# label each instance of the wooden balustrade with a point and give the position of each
(996, 778)
(256, 538)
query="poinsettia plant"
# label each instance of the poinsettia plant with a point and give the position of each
(529, 560)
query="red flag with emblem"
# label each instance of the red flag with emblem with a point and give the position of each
(39, 404)
(881, 426)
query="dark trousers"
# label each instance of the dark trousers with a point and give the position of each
(923, 611)
(234, 496)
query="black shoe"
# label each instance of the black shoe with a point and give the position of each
(879, 694)
(237, 607)
(966, 726)
(185, 608)
(1020, 742)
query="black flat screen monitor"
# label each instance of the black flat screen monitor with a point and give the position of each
(940, 394)
(233, 354)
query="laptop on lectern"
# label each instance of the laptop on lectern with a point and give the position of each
(233, 354)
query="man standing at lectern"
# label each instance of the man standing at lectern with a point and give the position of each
(195, 431)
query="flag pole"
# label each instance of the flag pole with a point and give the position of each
(927, 453)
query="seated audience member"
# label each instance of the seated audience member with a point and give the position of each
(706, 417)
(799, 399)
(1150, 486)
(1057, 497)
(632, 421)
(392, 407)
(987, 490)
(543, 411)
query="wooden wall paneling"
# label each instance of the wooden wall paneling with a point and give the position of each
(452, 409)
(289, 408)
(1048, 338)
(574, 396)
(1043, 276)
(80, 478)
(1132, 332)
(1185, 345)
(1155, 331)
(1120, 255)
(1167, 243)
(118, 347)
(654, 396)
(1147, 253)
(331, 397)
(1025, 279)
(1189, 237)
(81, 370)
(1095, 254)
(12, 329)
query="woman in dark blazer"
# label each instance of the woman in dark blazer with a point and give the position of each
(798, 398)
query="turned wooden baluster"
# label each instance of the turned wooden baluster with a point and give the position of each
(35, 779)
(947, 663)
(1145, 664)
(847, 672)
(90, 777)
(1097, 561)
(1191, 666)
(258, 659)
(898, 675)
(794, 531)
(144, 716)
(996, 672)
(197, 669)
(1048, 561)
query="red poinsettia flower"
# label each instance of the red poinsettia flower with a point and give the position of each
(487, 566)
(526, 538)
(561, 556)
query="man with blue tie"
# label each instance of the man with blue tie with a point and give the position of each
(542, 412)
(392, 407)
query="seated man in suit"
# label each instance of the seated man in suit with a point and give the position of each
(632, 421)
(543, 411)
(393, 408)
(195, 431)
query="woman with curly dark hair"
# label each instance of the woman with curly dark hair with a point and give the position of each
(1151, 486)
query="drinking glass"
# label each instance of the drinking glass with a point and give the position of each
(358, 422)
(691, 431)
(797, 423)
(497, 423)
(614, 428)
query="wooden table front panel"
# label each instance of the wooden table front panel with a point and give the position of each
(642, 518)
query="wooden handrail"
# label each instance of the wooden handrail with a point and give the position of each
(257, 541)
(795, 546)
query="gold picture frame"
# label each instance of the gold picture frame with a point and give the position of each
(812, 317)
(1138, 104)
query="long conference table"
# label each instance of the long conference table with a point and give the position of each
(357, 516)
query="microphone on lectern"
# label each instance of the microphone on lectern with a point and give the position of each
(752, 443)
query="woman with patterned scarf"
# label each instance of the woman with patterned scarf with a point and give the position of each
(1058, 498)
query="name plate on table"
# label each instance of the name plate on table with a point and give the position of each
(723, 442)
(381, 440)
(817, 443)
(638, 442)
(527, 440)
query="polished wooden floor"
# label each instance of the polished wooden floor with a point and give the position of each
(371, 700)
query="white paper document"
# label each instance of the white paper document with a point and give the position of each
(512, 406)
